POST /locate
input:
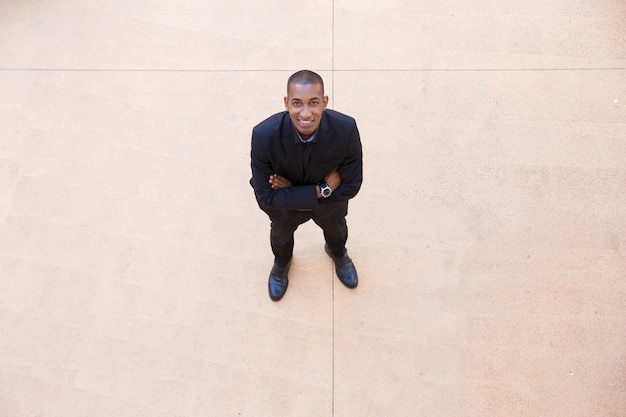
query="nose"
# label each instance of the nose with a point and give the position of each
(305, 112)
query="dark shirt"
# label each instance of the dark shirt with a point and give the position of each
(305, 148)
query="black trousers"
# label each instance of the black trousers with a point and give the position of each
(330, 217)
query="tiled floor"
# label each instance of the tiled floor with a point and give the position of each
(490, 232)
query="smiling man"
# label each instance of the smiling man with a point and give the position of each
(306, 164)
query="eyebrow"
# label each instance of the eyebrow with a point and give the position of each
(299, 99)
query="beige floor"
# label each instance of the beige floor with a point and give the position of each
(490, 232)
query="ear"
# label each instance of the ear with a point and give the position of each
(325, 102)
(286, 103)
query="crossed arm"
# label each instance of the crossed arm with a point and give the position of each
(332, 178)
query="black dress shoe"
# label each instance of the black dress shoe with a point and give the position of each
(278, 281)
(346, 272)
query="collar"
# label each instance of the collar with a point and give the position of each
(298, 138)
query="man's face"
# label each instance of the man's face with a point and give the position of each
(305, 104)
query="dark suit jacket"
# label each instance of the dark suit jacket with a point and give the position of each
(338, 145)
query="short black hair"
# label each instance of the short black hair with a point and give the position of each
(305, 77)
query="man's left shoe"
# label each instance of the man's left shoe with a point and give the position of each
(346, 272)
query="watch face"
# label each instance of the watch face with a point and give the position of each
(326, 191)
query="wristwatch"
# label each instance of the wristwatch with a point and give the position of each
(325, 189)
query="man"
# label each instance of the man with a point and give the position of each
(306, 164)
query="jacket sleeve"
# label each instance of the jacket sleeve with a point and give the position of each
(351, 169)
(302, 197)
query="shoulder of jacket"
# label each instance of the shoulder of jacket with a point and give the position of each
(272, 123)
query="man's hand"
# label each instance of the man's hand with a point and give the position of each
(333, 179)
(278, 181)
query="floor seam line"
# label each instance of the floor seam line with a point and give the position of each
(332, 57)
(333, 70)
(333, 343)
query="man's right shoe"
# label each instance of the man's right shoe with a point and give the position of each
(278, 281)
